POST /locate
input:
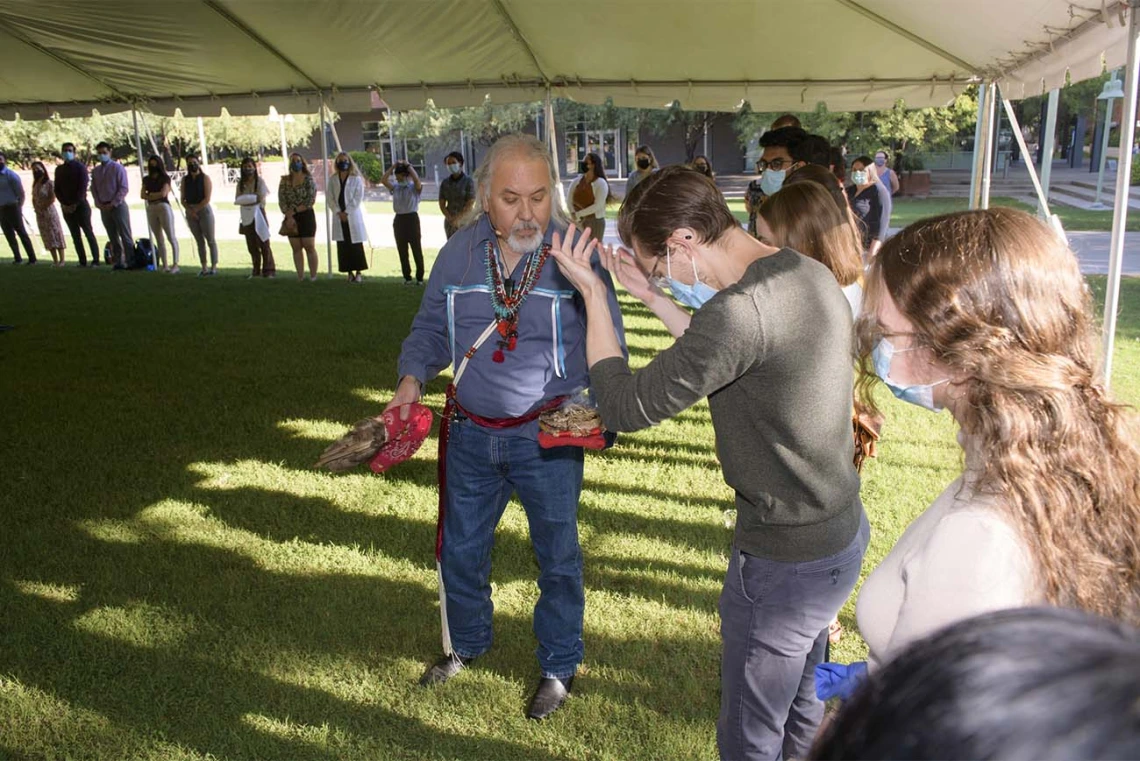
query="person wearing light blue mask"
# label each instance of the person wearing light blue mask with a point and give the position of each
(774, 165)
(986, 314)
(769, 345)
(920, 394)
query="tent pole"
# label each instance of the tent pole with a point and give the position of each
(1043, 202)
(976, 163)
(202, 143)
(988, 144)
(142, 175)
(552, 143)
(328, 201)
(1049, 138)
(1123, 178)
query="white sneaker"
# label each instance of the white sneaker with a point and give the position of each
(174, 270)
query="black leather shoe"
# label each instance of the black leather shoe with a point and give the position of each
(443, 669)
(549, 697)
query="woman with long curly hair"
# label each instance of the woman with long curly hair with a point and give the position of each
(985, 313)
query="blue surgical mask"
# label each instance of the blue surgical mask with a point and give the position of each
(694, 296)
(454, 168)
(772, 180)
(880, 161)
(104, 158)
(68, 156)
(922, 395)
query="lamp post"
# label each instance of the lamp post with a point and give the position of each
(1113, 89)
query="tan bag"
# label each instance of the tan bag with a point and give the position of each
(867, 427)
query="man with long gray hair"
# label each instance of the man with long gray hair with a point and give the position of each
(514, 330)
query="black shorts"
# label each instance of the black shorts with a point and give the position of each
(306, 224)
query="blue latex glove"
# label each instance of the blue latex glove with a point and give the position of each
(838, 680)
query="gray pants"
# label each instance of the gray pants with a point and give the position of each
(202, 228)
(118, 223)
(773, 625)
(161, 219)
(597, 226)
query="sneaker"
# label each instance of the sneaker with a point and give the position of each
(213, 271)
(313, 279)
(174, 270)
(18, 261)
(408, 284)
(204, 273)
(419, 284)
(271, 275)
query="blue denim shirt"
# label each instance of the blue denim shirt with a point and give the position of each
(550, 358)
(11, 188)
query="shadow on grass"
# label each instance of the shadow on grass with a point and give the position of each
(116, 399)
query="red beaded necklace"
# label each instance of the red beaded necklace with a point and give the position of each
(507, 297)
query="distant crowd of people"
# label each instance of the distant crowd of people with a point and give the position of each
(870, 185)
(73, 190)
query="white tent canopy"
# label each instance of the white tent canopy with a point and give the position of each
(67, 56)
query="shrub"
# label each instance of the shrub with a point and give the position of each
(369, 165)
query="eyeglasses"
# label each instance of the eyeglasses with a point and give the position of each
(656, 279)
(775, 164)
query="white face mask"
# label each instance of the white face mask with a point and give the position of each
(859, 177)
(454, 168)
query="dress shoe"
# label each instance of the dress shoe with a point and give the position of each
(549, 697)
(443, 669)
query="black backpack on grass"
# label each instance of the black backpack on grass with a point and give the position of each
(143, 255)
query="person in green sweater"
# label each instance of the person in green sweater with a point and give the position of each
(769, 344)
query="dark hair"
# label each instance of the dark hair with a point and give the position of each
(838, 164)
(1030, 683)
(708, 163)
(782, 137)
(161, 169)
(786, 120)
(102, 145)
(40, 164)
(454, 155)
(818, 174)
(600, 172)
(864, 160)
(811, 149)
(65, 146)
(253, 177)
(675, 197)
(648, 152)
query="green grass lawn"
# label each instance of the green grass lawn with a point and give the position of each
(177, 582)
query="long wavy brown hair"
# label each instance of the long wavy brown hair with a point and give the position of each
(999, 300)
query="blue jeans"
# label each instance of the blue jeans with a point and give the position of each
(773, 625)
(483, 470)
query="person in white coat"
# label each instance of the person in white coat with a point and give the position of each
(346, 194)
(589, 194)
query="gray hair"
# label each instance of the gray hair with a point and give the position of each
(515, 145)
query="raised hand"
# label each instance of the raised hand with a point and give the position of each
(624, 266)
(574, 259)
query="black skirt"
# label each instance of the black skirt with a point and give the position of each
(306, 224)
(349, 256)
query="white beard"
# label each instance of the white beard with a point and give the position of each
(524, 242)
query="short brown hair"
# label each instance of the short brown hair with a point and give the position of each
(803, 216)
(668, 200)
